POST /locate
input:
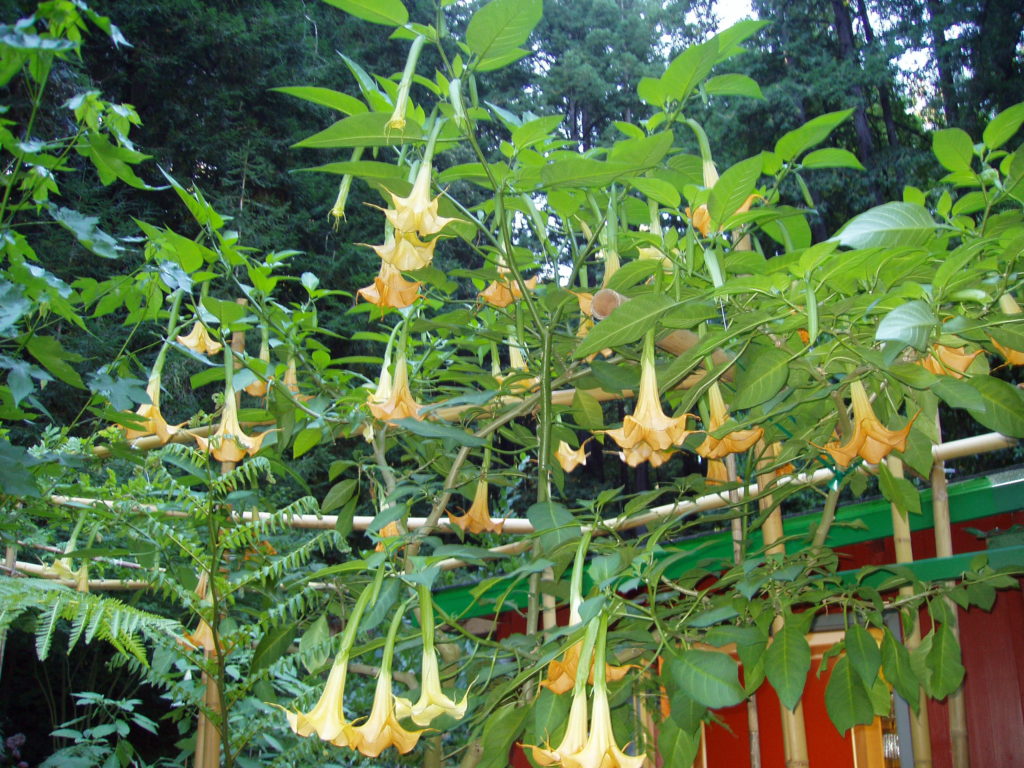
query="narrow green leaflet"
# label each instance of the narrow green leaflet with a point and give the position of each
(325, 97)
(911, 323)
(897, 670)
(626, 324)
(760, 373)
(953, 148)
(54, 358)
(865, 657)
(389, 12)
(369, 129)
(501, 26)
(944, 661)
(708, 677)
(786, 663)
(846, 699)
(892, 225)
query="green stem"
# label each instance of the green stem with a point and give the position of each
(576, 580)
(828, 516)
(600, 653)
(426, 618)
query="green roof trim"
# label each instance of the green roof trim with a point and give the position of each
(855, 523)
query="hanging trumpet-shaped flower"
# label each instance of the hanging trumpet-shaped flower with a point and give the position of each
(700, 217)
(405, 252)
(417, 212)
(390, 289)
(229, 442)
(258, 388)
(393, 400)
(570, 458)
(562, 672)
(397, 120)
(433, 702)
(504, 291)
(382, 729)
(1012, 356)
(153, 421)
(574, 739)
(948, 361)
(199, 340)
(732, 442)
(478, 517)
(718, 474)
(327, 718)
(871, 440)
(648, 434)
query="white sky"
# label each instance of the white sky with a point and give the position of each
(731, 11)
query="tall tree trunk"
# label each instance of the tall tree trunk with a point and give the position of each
(943, 61)
(884, 99)
(848, 52)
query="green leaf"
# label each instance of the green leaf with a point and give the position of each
(532, 131)
(708, 677)
(786, 663)
(501, 26)
(314, 646)
(733, 85)
(305, 440)
(1004, 405)
(685, 712)
(657, 190)
(87, 232)
(865, 657)
(325, 97)
(912, 324)
(626, 324)
(113, 162)
(570, 170)
(958, 394)
(501, 728)
(832, 157)
(549, 715)
(893, 225)
(554, 523)
(54, 358)
(846, 699)
(339, 495)
(944, 662)
(733, 189)
(389, 12)
(761, 372)
(369, 129)
(272, 646)
(900, 492)
(439, 432)
(897, 670)
(13, 305)
(677, 745)
(1003, 126)
(953, 148)
(226, 312)
(810, 133)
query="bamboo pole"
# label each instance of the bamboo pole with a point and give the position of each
(10, 562)
(920, 732)
(794, 728)
(944, 548)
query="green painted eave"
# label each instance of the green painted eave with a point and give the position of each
(854, 524)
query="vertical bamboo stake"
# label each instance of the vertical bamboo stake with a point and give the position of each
(794, 729)
(920, 733)
(10, 560)
(944, 548)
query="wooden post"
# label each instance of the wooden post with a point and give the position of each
(794, 730)
(944, 548)
(920, 733)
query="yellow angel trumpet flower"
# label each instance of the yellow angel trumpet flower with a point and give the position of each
(432, 703)
(405, 252)
(417, 212)
(229, 442)
(948, 361)
(574, 739)
(478, 517)
(327, 718)
(648, 434)
(382, 729)
(259, 387)
(200, 341)
(735, 441)
(154, 423)
(393, 399)
(390, 289)
(871, 440)
(504, 291)
(568, 457)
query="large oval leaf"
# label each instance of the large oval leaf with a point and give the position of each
(389, 12)
(709, 677)
(891, 225)
(846, 699)
(366, 130)
(501, 26)
(1004, 406)
(761, 372)
(786, 663)
(912, 323)
(627, 323)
